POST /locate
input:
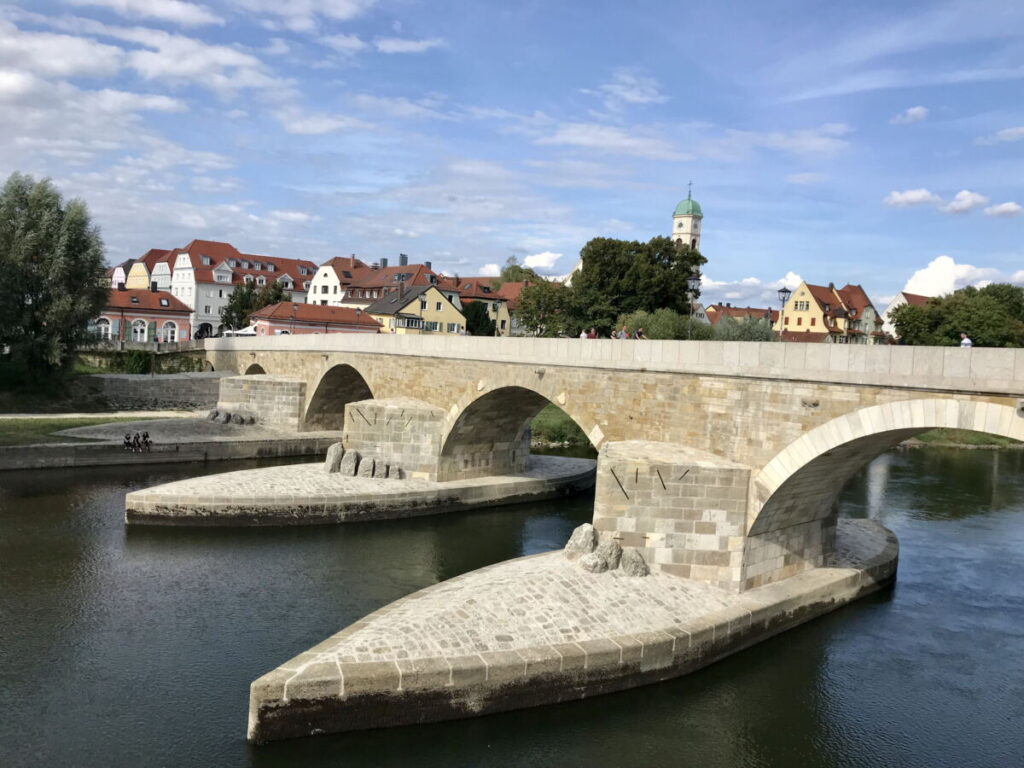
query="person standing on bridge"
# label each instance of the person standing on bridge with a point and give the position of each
(583, 333)
(965, 341)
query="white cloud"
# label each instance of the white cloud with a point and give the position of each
(277, 47)
(305, 15)
(399, 107)
(910, 115)
(613, 140)
(1005, 135)
(748, 292)
(52, 55)
(629, 87)
(1004, 209)
(213, 185)
(293, 217)
(911, 197)
(965, 201)
(405, 45)
(300, 123)
(542, 261)
(823, 140)
(344, 44)
(806, 179)
(943, 275)
(176, 11)
(490, 270)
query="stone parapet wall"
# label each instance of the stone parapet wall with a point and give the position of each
(684, 510)
(274, 400)
(125, 391)
(402, 431)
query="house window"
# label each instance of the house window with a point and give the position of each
(437, 306)
(503, 325)
(206, 310)
(135, 299)
(423, 305)
(801, 306)
(799, 321)
(164, 303)
(220, 294)
(261, 280)
(323, 289)
(139, 330)
(248, 278)
(170, 331)
(335, 289)
(305, 285)
(103, 328)
(323, 302)
(814, 320)
(207, 260)
(453, 327)
(786, 321)
(432, 325)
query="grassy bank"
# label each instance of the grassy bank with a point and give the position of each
(29, 431)
(965, 437)
(552, 425)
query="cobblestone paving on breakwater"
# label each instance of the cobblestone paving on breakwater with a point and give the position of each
(544, 601)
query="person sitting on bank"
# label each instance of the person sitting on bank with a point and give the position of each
(965, 340)
(146, 442)
(127, 441)
(137, 443)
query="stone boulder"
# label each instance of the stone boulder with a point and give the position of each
(366, 466)
(349, 464)
(582, 542)
(633, 563)
(237, 418)
(335, 453)
(224, 417)
(610, 552)
(212, 415)
(593, 563)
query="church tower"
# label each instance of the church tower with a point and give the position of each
(686, 222)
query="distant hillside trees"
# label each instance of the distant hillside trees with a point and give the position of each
(992, 316)
(52, 262)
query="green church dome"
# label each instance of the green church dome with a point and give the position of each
(688, 207)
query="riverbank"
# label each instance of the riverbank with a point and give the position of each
(309, 495)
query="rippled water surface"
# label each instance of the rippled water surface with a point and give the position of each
(136, 647)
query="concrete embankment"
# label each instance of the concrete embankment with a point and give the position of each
(308, 495)
(103, 454)
(540, 630)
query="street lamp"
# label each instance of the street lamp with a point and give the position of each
(692, 284)
(784, 294)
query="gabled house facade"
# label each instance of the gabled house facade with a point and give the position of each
(899, 300)
(143, 316)
(417, 310)
(818, 313)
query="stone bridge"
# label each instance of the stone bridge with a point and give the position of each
(719, 461)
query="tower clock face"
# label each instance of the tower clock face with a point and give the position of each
(680, 225)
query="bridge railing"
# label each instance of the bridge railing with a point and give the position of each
(977, 370)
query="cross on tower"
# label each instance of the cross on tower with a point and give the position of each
(689, 191)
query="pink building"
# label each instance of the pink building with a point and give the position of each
(290, 317)
(136, 315)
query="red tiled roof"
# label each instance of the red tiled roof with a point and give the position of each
(154, 255)
(916, 299)
(855, 299)
(512, 291)
(716, 312)
(145, 300)
(219, 253)
(807, 336)
(314, 313)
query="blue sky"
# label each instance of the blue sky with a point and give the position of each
(874, 142)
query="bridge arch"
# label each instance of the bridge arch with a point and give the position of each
(254, 369)
(338, 386)
(490, 434)
(792, 523)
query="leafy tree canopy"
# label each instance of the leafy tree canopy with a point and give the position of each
(992, 316)
(620, 277)
(546, 309)
(52, 261)
(247, 298)
(514, 272)
(477, 321)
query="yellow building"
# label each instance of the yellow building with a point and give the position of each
(826, 313)
(138, 277)
(420, 309)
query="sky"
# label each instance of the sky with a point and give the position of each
(876, 143)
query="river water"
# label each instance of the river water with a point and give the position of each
(136, 647)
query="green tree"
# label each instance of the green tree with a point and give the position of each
(477, 321)
(514, 272)
(52, 261)
(621, 277)
(246, 299)
(992, 316)
(546, 309)
(730, 329)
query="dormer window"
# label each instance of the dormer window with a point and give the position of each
(261, 280)
(270, 267)
(164, 303)
(233, 262)
(248, 278)
(305, 285)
